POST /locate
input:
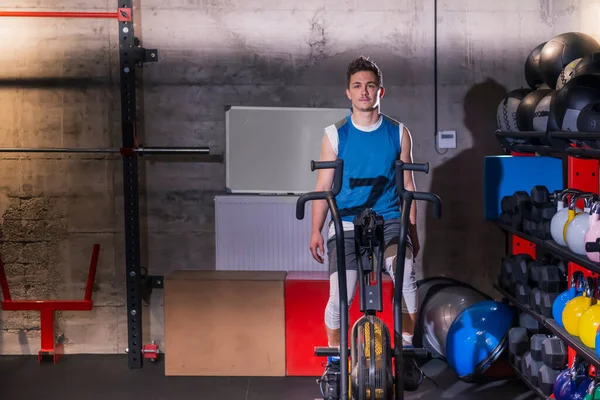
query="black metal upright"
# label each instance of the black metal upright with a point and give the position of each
(127, 65)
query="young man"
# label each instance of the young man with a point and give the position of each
(369, 142)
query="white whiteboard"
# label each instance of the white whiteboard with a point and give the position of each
(268, 150)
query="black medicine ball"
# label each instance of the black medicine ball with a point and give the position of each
(561, 50)
(506, 114)
(526, 109)
(532, 67)
(589, 64)
(573, 97)
(589, 118)
(542, 113)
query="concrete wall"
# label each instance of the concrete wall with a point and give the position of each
(58, 87)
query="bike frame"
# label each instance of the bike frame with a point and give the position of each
(406, 198)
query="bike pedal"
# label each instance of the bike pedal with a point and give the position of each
(412, 376)
(414, 352)
(330, 382)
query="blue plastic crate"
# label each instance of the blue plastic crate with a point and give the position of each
(505, 175)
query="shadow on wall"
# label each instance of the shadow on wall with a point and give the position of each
(462, 244)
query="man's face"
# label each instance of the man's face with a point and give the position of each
(364, 92)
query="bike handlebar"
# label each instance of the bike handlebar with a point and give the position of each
(402, 166)
(337, 165)
(430, 197)
(308, 197)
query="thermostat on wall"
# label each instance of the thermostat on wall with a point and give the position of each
(446, 139)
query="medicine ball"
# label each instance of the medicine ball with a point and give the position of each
(506, 114)
(566, 74)
(589, 118)
(477, 337)
(442, 304)
(561, 50)
(542, 113)
(573, 97)
(532, 67)
(589, 64)
(526, 109)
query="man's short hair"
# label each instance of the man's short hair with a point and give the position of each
(364, 64)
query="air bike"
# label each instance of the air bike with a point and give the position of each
(370, 375)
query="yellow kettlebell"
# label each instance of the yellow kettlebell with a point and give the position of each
(590, 320)
(577, 306)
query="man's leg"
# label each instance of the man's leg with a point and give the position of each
(332, 309)
(391, 232)
(409, 290)
(409, 303)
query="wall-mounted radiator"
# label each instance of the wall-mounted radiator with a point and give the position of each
(261, 233)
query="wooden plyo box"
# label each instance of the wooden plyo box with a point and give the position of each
(224, 323)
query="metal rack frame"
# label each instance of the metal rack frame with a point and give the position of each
(131, 56)
(127, 63)
(582, 170)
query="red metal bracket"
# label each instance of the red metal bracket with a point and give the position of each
(523, 246)
(48, 307)
(518, 244)
(582, 175)
(517, 154)
(151, 351)
(122, 14)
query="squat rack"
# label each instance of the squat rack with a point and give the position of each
(130, 56)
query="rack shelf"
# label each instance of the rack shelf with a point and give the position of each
(554, 144)
(575, 343)
(528, 142)
(554, 248)
(536, 390)
(523, 235)
(580, 152)
(583, 153)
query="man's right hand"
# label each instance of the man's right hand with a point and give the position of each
(316, 244)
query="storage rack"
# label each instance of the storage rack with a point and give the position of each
(131, 56)
(582, 153)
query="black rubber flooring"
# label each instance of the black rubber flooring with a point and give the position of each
(107, 377)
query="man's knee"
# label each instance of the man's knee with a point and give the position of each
(409, 277)
(332, 314)
(409, 281)
(332, 309)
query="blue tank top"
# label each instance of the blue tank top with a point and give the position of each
(369, 179)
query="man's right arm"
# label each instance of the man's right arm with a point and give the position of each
(324, 183)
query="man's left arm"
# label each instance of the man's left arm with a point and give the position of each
(409, 184)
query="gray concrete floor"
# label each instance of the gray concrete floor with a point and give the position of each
(107, 377)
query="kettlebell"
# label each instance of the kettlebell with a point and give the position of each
(572, 383)
(593, 233)
(576, 307)
(574, 290)
(593, 390)
(598, 342)
(558, 221)
(590, 320)
(576, 229)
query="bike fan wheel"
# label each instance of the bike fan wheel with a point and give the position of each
(371, 360)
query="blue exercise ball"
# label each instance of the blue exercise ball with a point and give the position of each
(477, 337)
